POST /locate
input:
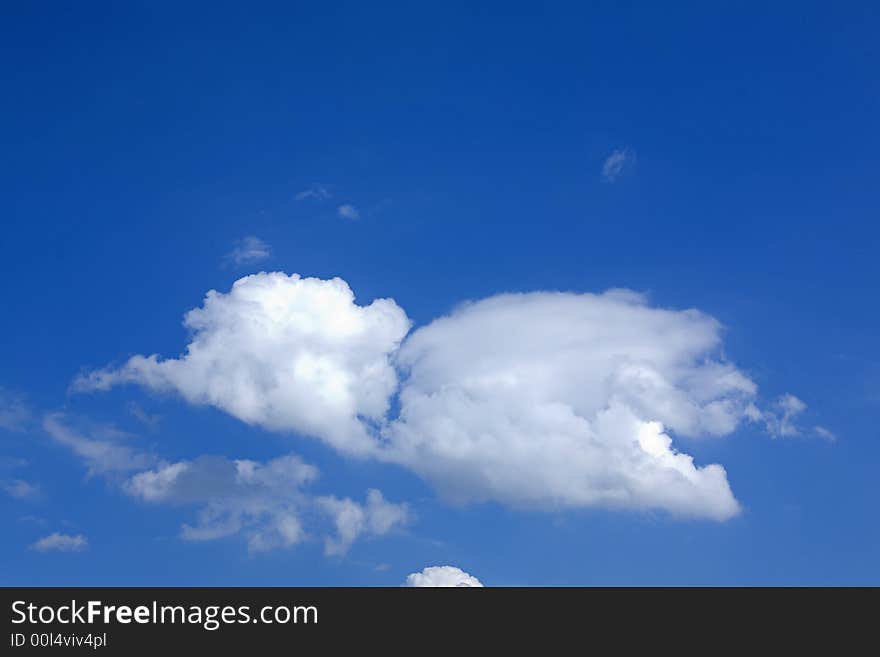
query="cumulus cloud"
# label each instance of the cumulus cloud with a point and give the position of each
(546, 400)
(317, 192)
(248, 250)
(616, 163)
(347, 211)
(352, 520)
(61, 543)
(285, 353)
(568, 400)
(441, 576)
(14, 411)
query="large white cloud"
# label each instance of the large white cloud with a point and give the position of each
(551, 399)
(544, 399)
(283, 352)
(441, 576)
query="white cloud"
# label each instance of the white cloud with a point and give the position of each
(441, 576)
(260, 501)
(263, 502)
(353, 520)
(779, 417)
(347, 211)
(249, 250)
(568, 400)
(20, 489)
(545, 400)
(316, 191)
(61, 543)
(827, 434)
(14, 411)
(102, 450)
(285, 353)
(616, 163)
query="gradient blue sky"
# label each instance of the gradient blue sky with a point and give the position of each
(141, 140)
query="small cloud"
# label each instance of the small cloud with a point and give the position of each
(14, 412)
(317, 192)
(353, 520)
(616, 163)
(20, 489)
(61, 543)
(787, 408)
(442, 576)
(248, 250)
(827, 434)
(779, 418)
(347, 211)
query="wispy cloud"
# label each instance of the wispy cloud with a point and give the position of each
(19, 489)
(14, 411)
(348, 211)
(615, 164)
(264, 502)
(827, 434)
(353, 520)
(138, 413)
(248, 250)
(61, 543)
(779, 419)
(317, 192)
(101, 450)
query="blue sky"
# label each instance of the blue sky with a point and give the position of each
(722, 158)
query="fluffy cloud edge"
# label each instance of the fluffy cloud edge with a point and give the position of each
(441, 577)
